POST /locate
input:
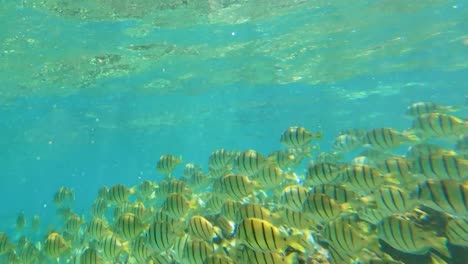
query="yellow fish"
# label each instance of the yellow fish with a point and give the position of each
(440, 125)
(140, 250)
(20, 221)
(55, 245)
(197, 252)
(91, 256)
(167, 163)
(98, 228)
(442, 166)
(293, 197)
(322, 173)
(262, 236)
(420, 108)
(388, 138)
(237, 186)
(119, 193)
(161, 236)
(457, 231)
(5, 244)
(249, 162)
(111, 247)
(202, 229)
(221, 159)
(447, 196)
(404, 235)
(323, 208)
(64, 195)
(250, 256)
(129, 226)
(345, 238)
(298, 137)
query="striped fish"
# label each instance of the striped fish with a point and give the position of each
(447, 196)
(5, 244)
(146, 190)
(111, 247)
(63, 196)
(390, 200)
(344, 238)
(404, 235)
(420, 108)
(98, 228)
(214, 203)
(298, 137)
(129, 226)
(20, 221)
(91, 256)
(440, 125)
(160, 259)
(119, 194)
(272, 176)
(399, 167)
(371, 215)
(237, 186)
(293, 197)
(249, 162)
(140, 249)
(363, 178)
(99, 207)
(161, 236)
(284, 159)
(297, 219)
(254, 211)
(218, 259)
(173, 186)
(220, 159)
(167, 163)
(261, 236)
(337, 192)
(176, 205)
(322, 173)
(388, 138)
(457, 231)
(179, 247)
(346, 143)
(36, 223)
(28, 253)
(73, 224)
(200, 228)
(441, 166)
(226, 226)
(254, 257)
(55, 245)
(197, 251)
(323, 208)
(229, 209)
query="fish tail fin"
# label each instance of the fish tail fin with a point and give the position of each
(292, 258)
(292, 176)
(300, 241)
(436, 259)
(411, 136)
(439, 244)
(390, 179)
(368, 201)
(453, 108)
(318, 135)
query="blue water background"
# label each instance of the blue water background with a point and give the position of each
(80, 139)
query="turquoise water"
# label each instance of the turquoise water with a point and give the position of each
(93, 95)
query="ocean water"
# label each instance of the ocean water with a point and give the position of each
(92, 93)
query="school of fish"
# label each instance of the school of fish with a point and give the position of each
(253, 208)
